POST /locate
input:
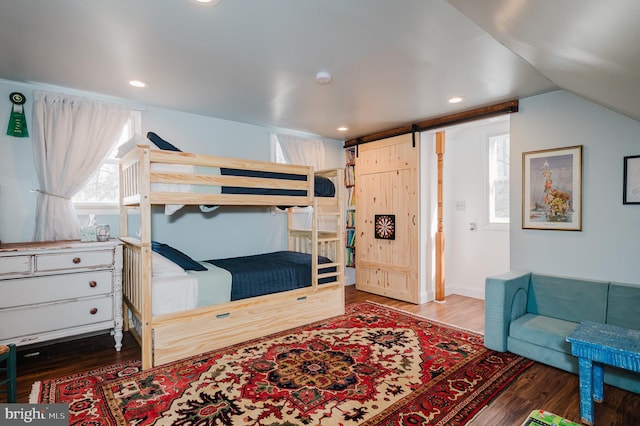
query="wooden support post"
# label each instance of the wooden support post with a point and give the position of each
(440, 232)
(145, 274)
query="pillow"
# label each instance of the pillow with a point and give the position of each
(161, 143)
(163, 267)
(177, 257)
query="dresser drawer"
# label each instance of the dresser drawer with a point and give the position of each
(37, 290)
(74, 260)
(15, 265)
(15, 323)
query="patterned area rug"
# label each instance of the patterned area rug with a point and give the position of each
(372, 366)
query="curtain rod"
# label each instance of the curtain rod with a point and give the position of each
(438, 122)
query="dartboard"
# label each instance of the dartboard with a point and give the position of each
(385, 226)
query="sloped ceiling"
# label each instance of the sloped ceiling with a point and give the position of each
(392, 62)
(591, 48)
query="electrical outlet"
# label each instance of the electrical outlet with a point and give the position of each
(459, 205)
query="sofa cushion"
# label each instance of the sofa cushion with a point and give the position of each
(562, 360)
(623, 305)
(543, 331)
(568, 299)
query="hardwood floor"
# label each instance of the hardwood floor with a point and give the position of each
(540, 387)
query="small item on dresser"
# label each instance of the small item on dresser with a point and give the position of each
(102, 232)
(88, 232)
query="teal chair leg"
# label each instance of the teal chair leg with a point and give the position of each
(11, 374)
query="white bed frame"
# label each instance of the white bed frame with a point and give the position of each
(169, 337)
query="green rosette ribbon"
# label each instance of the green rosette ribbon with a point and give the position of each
(17, 121)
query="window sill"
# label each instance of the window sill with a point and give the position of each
(97, 209)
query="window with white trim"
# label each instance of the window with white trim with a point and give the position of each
(498, 179)
(102, 191)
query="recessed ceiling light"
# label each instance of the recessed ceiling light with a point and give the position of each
(455, 100)
(323, 77)
(343, 129)
(138, 83)
(206, 2)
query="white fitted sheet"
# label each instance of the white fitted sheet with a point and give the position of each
(193, 289)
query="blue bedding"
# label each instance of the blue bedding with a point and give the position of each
(268, 273)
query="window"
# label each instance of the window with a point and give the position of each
(102, 191)
(277, 156)
(289, 149)
(498, 182)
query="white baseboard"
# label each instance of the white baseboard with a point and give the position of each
(466, 291)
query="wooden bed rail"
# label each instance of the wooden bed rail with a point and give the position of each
(136, 291)
(196, 185)
(132, 290)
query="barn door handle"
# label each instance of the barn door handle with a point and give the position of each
(413, 219)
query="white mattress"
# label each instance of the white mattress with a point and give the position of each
(174, 293)
(193, 289)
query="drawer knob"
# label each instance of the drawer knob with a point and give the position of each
(93, 311)
(77, 260)
(92, 284)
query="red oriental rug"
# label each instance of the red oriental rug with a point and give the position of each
(372, 366)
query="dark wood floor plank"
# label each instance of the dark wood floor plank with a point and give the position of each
(540, 387)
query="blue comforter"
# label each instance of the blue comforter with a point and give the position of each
(268, 273)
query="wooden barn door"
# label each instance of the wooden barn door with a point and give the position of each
(387, 186)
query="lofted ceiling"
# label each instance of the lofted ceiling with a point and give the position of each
(392, 62)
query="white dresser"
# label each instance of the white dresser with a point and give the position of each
(51, 290)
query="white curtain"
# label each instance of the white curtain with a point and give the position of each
(305, 152)
(72, 137)
(302, 151)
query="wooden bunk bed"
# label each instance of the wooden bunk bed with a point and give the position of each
(168, 337)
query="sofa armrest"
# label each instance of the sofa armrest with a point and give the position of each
(505, 301)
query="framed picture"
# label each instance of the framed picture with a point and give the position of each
(385, 226)
(631, 184)
(552, 189)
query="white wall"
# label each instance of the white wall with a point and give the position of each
(428, 215)
(471, 255)
(609, 243)
(17, 175)
(218, 234)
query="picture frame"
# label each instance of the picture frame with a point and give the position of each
(552, 189)
(631, 180)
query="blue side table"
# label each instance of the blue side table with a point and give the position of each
(595, 344)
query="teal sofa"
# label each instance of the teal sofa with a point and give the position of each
(532, 314)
